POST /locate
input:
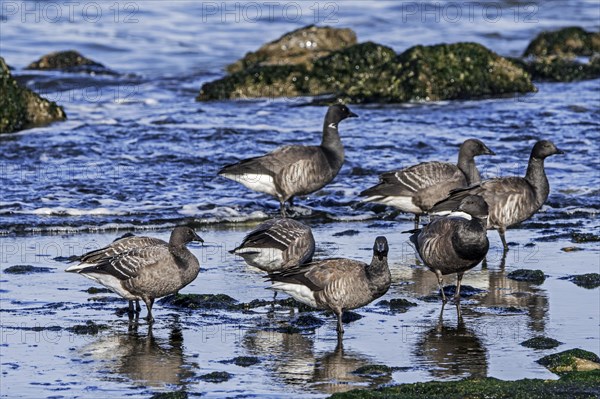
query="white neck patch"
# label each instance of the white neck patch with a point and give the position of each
(459, 214)
(332, 126)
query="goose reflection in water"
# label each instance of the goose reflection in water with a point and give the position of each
(143, 358)
(295, 362)
(452, 350)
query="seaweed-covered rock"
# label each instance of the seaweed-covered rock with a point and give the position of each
(541, 343)
(243, 361)
(555, 69)
(200, 301)
(89, 328)
(347, 70)
(374, 370)
(21, 108)
(301, 46)
(216, 377)
(571, 360)
(69, 61)
(446, 72)
(369, 72)
(399, 305)
(262, 81)
(532, 276)
(589, 280)
(27, 269)
(584, 237)
(564, 42)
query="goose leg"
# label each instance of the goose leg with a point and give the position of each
(501, 231)
(282, 208)
(441, 284)
(130, 310)
(417, 221)
(340, 327)
(291, 201)
(459, 277)
(138, 308)
(149, 303)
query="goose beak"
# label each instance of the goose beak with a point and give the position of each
(559, 151)
(352, 115)
(487, 151)
(198, 238)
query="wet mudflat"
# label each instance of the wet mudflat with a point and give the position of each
(63, 339)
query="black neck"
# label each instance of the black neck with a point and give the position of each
(466, 164)
(332, 144)
(378, 274)
(536, 176)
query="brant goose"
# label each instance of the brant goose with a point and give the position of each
(337, 284)
(456, 243)
(417, 188)
(511, 199)
(295, 170)
(277, 244)
(143, 267)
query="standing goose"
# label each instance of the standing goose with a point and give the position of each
(277, 244)
(295, 169)
(417, 188)
(143, 267)
(511, 200)
(338, 284)
(456, 243)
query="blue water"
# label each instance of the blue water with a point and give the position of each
(138, 152)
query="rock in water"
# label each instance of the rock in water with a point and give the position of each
(566, 42)
(21, 108)
(299, 47)
(68, 61)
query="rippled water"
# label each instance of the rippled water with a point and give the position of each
(139, 153)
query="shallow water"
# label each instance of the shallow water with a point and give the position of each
(138, 153)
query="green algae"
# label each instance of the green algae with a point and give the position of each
(541, 343)
(570, 41)
(571, 360)
(21, 108)
(573, 385)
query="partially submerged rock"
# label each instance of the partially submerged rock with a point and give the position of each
(443, 72)
(299, 47)
(89, 328)
(532, 276)
(243, 361)
(565, 42)
(541, 343)
(589, 280)
(69, 61)
(200, 301)
(399, 305)
(27, 269)
(21, 108)
(584, 237)
(369, 72)
(556, 69)
(571, 360)
(216, 377)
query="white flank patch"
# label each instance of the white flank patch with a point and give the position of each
(263, 258)
(256, 182)
(403, 203)
(299, 292)
(459, 214)
(110, 282)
